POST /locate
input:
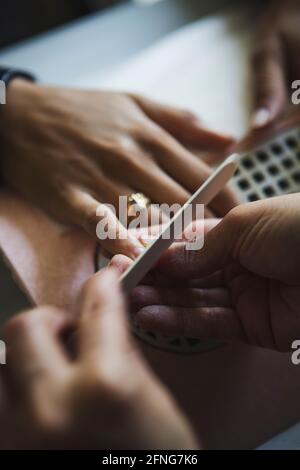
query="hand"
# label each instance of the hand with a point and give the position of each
(69, 150)
(244, 285)
(104, 398)
(276, 61)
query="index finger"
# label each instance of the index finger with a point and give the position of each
(102, 329)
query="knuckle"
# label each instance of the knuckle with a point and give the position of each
(237, 228)
(28, 320)
(125, 146)
(17, 324)
(126, 157)
(150, 135)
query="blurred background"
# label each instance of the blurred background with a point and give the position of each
(64, 40)
(21, 19)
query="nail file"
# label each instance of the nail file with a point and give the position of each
(207, 191)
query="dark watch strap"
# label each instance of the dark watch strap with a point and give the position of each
(8, 73)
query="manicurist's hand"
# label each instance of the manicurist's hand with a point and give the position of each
(70, 150)
(276, 58)
(243, 285)
(102, 397)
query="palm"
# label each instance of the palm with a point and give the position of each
(254, 300)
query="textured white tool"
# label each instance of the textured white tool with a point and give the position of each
(207, 191)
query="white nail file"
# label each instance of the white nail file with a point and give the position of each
(212, 186)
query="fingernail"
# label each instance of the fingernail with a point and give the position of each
(136, 248)
(260, 118)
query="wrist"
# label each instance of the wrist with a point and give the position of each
(18, 96)
(17, 88)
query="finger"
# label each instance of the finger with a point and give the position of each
(183, 125)
(153, 278)
(116, 192)
(200, 228)
(205, 323)
(211, 159)
(120, 263)
(268, 66)
(213, 280)
(35, 353)
(188, 170)
(103, 332)
(161, 187)
(218, 249)
(100, 221)
(143, 296)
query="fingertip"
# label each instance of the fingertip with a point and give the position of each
(146, 319)
(120, 263)
(261, 118)
(130, 247)
(159, 319)
(212, 140)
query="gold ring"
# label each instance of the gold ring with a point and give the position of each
(137, 201)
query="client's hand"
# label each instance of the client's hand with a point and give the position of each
(276, 58)
(70, 150)
(243, 285)
(104, 398)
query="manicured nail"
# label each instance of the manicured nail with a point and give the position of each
(137, 250)
(260, 118)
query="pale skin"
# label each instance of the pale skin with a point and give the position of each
(103, 396)
(242, 286)
(69, 151)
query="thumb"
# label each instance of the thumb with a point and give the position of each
(262, 236)
(218, 249)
